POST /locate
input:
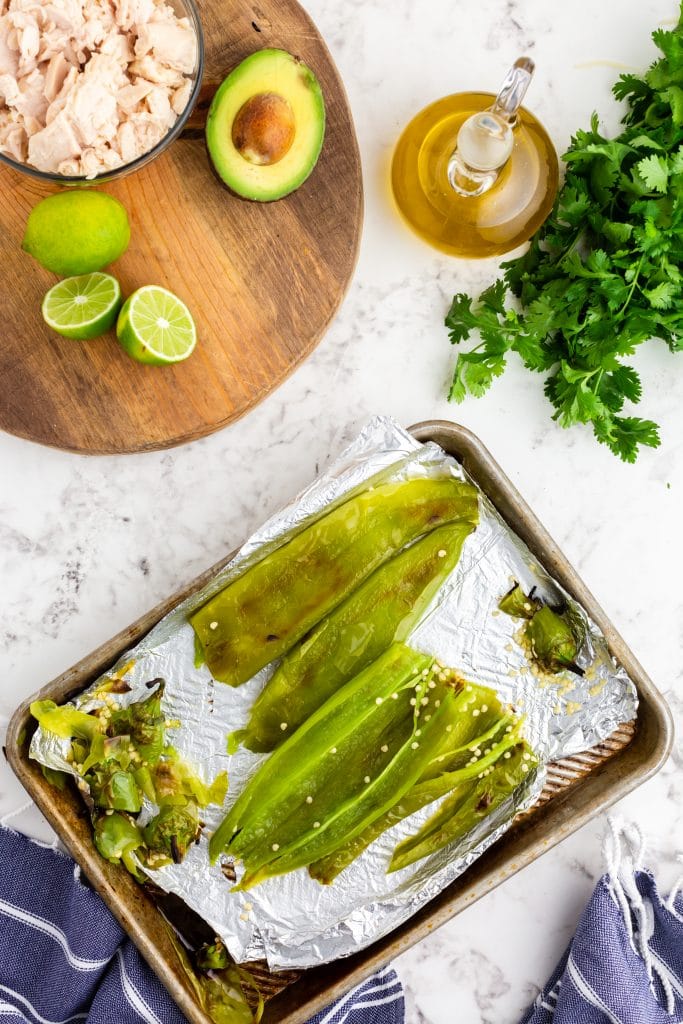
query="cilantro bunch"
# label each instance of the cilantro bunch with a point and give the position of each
(602, 275)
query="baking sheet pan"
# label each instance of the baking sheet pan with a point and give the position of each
(577, 789)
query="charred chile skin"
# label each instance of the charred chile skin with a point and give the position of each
(263, 613)
(384, 609)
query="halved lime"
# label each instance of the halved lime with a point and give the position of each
(82, 307)
(155, 327)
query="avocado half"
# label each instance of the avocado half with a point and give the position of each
(266, 125)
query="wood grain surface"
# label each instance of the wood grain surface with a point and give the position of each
(262, 280)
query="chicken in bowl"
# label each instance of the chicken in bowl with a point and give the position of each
(88, 86)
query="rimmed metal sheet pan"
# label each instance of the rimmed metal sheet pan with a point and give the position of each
(577, 788)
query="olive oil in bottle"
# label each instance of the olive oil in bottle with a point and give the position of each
(474, 174)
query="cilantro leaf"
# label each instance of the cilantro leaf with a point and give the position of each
(624, 435)
(616, 232)
(619, 385)
(644, 142)
(474, 373)
(494, 297)
(460, 320)
(630, 87)
(661, 296)
(674, 95)
(573, 207)
(654, 170)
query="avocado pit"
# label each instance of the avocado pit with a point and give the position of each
(264, 128)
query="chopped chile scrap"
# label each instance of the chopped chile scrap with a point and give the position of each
(121, 757)
(554, 636)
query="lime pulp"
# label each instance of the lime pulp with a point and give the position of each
(156, 327)
(82, 307)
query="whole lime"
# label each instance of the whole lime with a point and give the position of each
(77, 232)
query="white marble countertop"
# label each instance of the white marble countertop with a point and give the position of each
(88, 544)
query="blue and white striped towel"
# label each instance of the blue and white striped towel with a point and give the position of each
(625, 963)
(64, 958)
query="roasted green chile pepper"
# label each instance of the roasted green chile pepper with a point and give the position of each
(467, 805)
(221, 991)
(346, 766)
(383, 610)
(309, 762)
(518, 604)
(212, 956)
(358, 811)
(114, 789)
(145, 724)
(66, 721)
(552, 640)
(553, 636)
(117, 839)
(453, 764)
(54, 777)
(263, 613)
(170, 834)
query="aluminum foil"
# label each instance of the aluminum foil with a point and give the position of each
(293, 921)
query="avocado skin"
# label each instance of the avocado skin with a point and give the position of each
(268, 70)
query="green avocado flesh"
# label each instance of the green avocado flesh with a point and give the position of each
(266, 126)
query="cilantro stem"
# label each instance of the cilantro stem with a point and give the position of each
(631, 290)
(578, 237)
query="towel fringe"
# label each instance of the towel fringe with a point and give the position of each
(678, 886)
(624, 852)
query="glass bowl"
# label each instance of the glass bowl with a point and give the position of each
(183, 9)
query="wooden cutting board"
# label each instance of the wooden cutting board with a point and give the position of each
(263, 281)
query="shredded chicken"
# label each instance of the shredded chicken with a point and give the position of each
(89, 85)
(170, 43)
(55, 74)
